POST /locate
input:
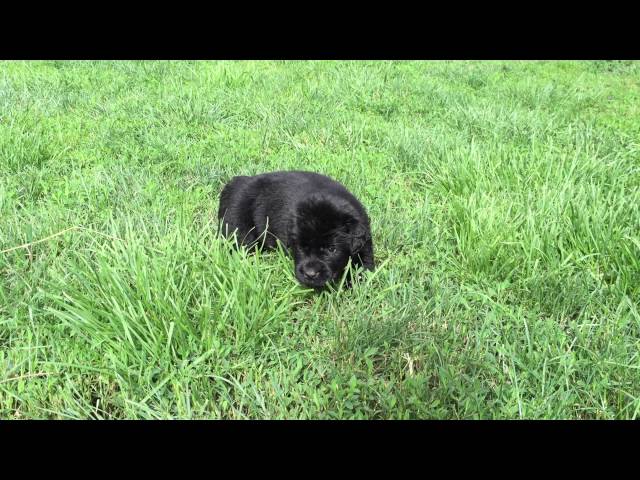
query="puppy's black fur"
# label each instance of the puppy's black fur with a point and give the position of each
(313, 216)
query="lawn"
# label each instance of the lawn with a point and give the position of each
(504, 205)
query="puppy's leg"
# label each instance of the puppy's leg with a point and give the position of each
(364, 257)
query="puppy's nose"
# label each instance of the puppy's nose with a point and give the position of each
(310, 272)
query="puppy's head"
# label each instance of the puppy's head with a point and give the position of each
(324, 234)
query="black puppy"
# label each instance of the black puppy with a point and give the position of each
(315, 217)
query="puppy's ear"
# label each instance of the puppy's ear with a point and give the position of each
(359, 237)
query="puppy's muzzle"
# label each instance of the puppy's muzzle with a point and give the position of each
(310, 272)
(313, 274)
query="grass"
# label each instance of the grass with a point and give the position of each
(504, 203)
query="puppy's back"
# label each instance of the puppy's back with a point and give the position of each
(246, 202)
(299, 184)
(235, 205)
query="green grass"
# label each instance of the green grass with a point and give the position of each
(504, 204)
